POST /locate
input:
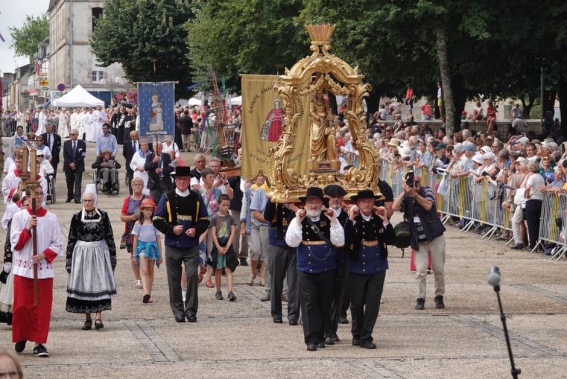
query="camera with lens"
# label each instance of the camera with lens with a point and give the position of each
(409, 179)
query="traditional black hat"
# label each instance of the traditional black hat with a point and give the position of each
(181, 171)
(315, 192)
(334, 190)
(365, 194)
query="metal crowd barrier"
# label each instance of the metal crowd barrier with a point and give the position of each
(552, 227)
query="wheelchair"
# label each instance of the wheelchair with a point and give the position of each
(51, 188)
(98, 182)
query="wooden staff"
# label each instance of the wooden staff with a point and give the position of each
(33, 185)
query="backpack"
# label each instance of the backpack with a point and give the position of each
(403, 235)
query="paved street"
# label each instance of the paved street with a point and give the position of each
(239, 340)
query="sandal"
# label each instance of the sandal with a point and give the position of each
(98, 324)
(146, 299)
(209, 284)
(87, 325)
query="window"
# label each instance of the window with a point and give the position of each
(97, 76)
(96, 13)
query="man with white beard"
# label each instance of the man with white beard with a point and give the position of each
(316, 233)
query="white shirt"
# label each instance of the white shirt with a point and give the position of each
(48, 237)
(294, 234)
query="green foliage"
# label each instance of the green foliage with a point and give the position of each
(133, 32)
(245, 36)
(26, 38)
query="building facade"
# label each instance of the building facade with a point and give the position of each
(72, 61)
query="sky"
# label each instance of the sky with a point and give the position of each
(13, 14)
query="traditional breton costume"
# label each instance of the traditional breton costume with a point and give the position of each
(315, 239)
(283, 263)
(31, 323)
(7, 272)
(339, 302)
(187, 209)
(91, 259)
(366, 240)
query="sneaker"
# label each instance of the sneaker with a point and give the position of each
(218, 295)
(517, 246)
(420, 304)
(20, 346)
(250, 281)
(266, 297)
(41, 351)
(439, 302)
(231, 296)
(243, 262)
(138, 284)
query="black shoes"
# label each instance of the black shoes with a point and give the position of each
(321, 345)
(517, 246)
(329, 341)
(98, 324)
(278, 320)
(231, 296)
(20, 346)
(439, 302)
(355, 342)
(87, 325)
(243, 262)
(192, 318)
(343, 320)
(420, 304)
(180, 318)
(312, 347)
(292, 322)
(146, 298)
(68, 200)
(41, 351)
(367, 345)
(218, 295)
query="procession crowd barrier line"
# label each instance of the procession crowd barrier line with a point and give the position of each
(480, 204)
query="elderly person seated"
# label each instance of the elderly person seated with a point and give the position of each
(107, 167)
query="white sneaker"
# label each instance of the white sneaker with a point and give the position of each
(138, 284)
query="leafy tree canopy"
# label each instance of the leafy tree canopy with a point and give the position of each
(133, 33)
(25, 39)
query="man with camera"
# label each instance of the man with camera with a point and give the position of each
(418, 204)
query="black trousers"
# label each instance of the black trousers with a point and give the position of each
(533, 215)
(365, 294)
(174, 258)
(54, 165)
(129, 176)
(315, 293)
(283, 263)
(337, 301)
(73, 179)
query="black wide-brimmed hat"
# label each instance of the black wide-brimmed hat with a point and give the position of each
(181, 171)
(365, 194)
(334, 190)
(315, 192)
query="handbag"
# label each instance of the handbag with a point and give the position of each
(125, 240)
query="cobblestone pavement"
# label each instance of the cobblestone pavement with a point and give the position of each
(239, 340)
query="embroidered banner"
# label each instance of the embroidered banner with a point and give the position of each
(262, 125)
(156, 103)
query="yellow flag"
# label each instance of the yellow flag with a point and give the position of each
(263, 122)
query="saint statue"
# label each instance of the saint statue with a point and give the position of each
(323, 143)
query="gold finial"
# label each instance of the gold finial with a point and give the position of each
(320, 34)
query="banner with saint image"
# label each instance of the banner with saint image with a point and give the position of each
(156, 105)
(262, 125)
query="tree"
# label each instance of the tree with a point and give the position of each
(26, 38)
(246, 36)
(134, 33)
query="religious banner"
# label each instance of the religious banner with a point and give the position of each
(156, 102)
(263, 123)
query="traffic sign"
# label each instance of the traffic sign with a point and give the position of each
(45, 88)
(43, 82)
(55, 95)
(61, 87)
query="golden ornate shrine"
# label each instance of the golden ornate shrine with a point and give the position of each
(312, 75)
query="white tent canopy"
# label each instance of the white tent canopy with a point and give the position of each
(236, 100)
(194, 101)
(78, 97)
